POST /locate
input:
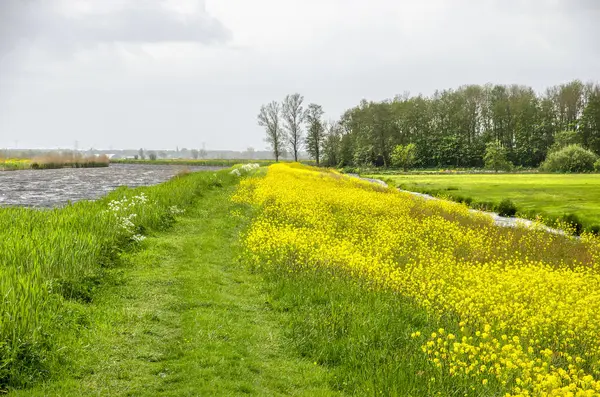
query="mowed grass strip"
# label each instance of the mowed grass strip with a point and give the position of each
(549, 195)
(189, 320)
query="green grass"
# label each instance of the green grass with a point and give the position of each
(550, 195)
(51, 260)
(364, 337)
(182, 317)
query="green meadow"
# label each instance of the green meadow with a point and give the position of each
(551, 196)
(148, 292)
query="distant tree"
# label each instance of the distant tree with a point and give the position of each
(315, 130)
(332, 144)
(590, 122)
(250, 152)
(269, 117)
(495, 157)
(404, 156)
(293, 114)
(195, 154)
(162, 154)
(135, 157)
(152, 156)
(563, 139)
(142, 154)
(202, 153)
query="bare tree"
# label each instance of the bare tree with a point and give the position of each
(270, 118)
(293, 116)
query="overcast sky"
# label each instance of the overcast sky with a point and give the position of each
(167, 73)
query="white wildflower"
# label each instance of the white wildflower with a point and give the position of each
(138, 238)
(175, 210)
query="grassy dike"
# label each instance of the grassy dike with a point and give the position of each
(184, 318)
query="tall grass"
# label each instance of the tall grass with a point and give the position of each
(50, 257)
(69, 160)
(55, 160)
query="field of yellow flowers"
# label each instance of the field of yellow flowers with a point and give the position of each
(507, 311)
(14, 164)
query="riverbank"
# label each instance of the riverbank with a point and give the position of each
(184, 317)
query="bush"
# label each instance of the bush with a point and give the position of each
(506, 208)
(495, 157)
(594, 229)
(573, 223)
(572, 158)
(404, 156)
(350, 170)
(597, 166)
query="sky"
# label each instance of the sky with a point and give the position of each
(161, 74)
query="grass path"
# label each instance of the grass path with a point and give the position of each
(189, 321)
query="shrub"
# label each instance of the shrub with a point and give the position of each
(506, 208)
(462, 199)
(572, 158)
(350, 170)
(572, 221)
(495, 157)
(597, 166)
(594, 229)
(404, 156)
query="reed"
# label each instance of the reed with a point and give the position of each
(69, 160)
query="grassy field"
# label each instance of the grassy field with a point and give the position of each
(549, 195)
(292, 281)
(185, 319)
(50, 261)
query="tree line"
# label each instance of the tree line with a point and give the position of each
(453, 127)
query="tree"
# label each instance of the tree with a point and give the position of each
(315, 131)
(332, 144)
(269, 117)
(496, 157)
(162, 154)
(293, 114)
(152, 156)
(563, 139)
(195, 154)
(142, 154)
(591, 121)
(404, 156)
(572, 158)
(250, 153)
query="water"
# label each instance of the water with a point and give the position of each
(51, 188)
